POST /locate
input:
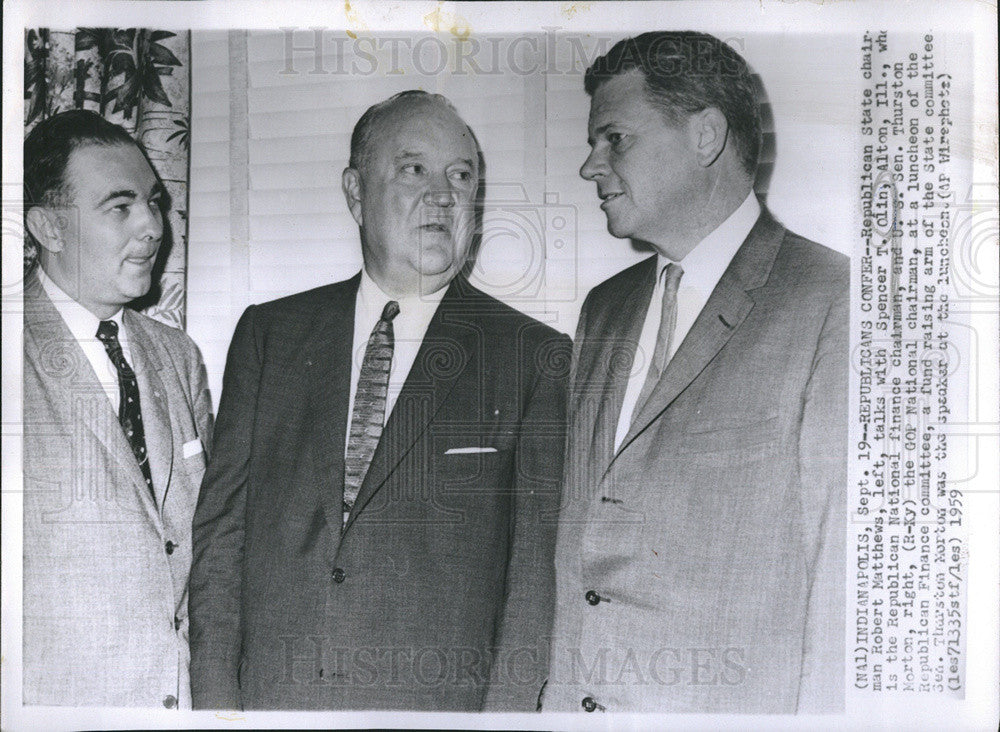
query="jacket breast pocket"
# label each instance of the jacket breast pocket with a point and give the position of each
(740, 442)
(194, 460)
(469, 470)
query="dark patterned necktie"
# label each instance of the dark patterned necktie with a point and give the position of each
(129, 412)
(368, 415)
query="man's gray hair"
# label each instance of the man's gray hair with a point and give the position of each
(361, 138)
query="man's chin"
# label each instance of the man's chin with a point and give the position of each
(441, 260)
(437, 270)
(136, 289)
(618, 231)
(616, 227)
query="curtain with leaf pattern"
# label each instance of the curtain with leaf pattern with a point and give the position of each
(140, 79)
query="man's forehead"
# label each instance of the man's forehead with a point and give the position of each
(94, 168)
(617, 96)
(425, 127)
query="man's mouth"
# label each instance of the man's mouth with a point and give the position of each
(141, 261)
(436, 227)
(607, 198)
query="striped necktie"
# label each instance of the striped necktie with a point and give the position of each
(664, 336)
(368, 416)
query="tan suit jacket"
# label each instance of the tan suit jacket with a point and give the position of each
(105, 565)
(700, 568)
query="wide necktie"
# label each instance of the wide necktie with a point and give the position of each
(368, 416)
(129, 411)
(664, 336)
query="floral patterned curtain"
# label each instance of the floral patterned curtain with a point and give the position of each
(140, 79)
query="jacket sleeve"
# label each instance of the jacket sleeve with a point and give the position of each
(520, 660)
(218, 532)
(201, 400)
(823, 474)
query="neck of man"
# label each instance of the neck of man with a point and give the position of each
(718, 203)
(401, 286)
(71, 286)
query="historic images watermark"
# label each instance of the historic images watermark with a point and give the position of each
(317, 660)
(321, 51)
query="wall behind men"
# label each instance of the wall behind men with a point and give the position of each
(272, 114)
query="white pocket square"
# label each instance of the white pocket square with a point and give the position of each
(192, 448)
(469, 450)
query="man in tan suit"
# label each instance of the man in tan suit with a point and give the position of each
(116, 424)
(700, 555)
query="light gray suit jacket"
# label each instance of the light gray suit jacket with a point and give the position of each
(105, 595)
(713, 539)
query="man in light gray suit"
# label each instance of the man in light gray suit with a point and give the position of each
(117, 420)
(700, 554)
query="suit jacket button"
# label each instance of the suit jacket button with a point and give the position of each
(593, 598)
(589, 704)
(339, 575)
(170, 701)
(170, 547)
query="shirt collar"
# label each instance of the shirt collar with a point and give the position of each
(704, 265)
(81, 322)
(372, 299)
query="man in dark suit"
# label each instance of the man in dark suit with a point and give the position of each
(700, 556)
(377, 527)
(117, 419)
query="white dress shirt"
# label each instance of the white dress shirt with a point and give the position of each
(83, 325)
(703, 268)
(408, 328)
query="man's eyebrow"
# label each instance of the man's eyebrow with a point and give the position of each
(599, 132)
(407, 155)
(124, 193)
(156, 191)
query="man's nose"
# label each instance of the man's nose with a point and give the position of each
(149, 223)
(441, 192)
(437, 196)
(594, 166)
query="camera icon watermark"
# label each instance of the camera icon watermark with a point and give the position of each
(14, 234)
(528, 251)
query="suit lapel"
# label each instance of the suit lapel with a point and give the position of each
(50, 346)
(609, 363)
(726, 309)
(449, 336)
(328, 365)
(153, 402)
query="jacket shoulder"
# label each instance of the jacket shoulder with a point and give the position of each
(309, 300)
(161, 333)
(813, 267)
(504, 316)
(173, 344)
(624, 281)
(815, 256)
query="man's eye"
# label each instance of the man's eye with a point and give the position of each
(615, 137)
(413, 168)
(462, 175)
(156, 203)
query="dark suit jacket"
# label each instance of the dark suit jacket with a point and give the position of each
(106, 564)
(445, 556)
(715, 534)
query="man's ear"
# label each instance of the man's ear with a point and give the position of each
(350, 181)
(43, 224)
(710, 131)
